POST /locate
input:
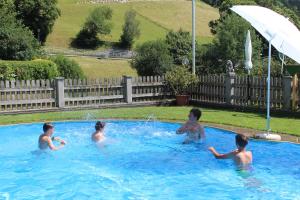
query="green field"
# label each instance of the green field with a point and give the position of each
(96, 68)
(156, 18)
(238, 119)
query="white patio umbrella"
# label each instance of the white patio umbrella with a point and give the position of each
(278, 30)
(248, 52)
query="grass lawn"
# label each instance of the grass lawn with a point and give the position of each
(156, 18)
(239, 119)
(96, 68)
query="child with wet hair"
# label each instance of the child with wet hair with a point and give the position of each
(98, 135)
(193, 129)
(46, 139)
(241, 156)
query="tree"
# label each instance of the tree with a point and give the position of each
(38, 15)
(179, 44)
(98, 22)
(152, 58)
(17, 41)
(131, 30)
(279, 6)
(229, 45)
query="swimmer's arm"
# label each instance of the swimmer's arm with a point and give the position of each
(59, 140)
(52, 147)
(221, 156)
(182, 129)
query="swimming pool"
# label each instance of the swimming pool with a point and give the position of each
(140, 160)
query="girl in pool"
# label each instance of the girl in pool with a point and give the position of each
(98, 135)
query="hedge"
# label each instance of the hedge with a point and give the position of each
(28, 70)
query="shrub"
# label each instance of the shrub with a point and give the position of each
(179, 45)
(98, 22)
(180, 79)
(28, 70)
(67, 68)
(152, 58)
(130, 30)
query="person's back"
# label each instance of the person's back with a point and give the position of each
(243, 158)
(99, 134)
(43, 141)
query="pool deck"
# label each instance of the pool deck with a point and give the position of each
(251, 132)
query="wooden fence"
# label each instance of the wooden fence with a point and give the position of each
(228, 90)
(27, 95)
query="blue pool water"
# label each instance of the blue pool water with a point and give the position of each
(141, 160)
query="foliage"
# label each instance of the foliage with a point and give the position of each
(38, 15)
(17, 41)
(179, 78)
(152, 58)
(28, 70)
(131, 30)
(283, 7)
(98, 22)
(179, 45)
(228, 45)
(67, 68)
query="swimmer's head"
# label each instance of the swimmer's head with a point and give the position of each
(48, 128)
(99, 126)
(195, 114)
(241, 140)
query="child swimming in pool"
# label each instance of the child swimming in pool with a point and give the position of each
(241, 157)
(99, 136)
(45, 139)
(192, 127)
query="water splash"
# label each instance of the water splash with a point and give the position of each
(89, 117)
(151, 118)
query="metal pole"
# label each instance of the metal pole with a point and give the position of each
(193, 36)
(269, 87)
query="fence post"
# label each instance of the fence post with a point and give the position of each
(128, 88)
(287, 92)
(229, 87)
(60, 92)
(294, 94)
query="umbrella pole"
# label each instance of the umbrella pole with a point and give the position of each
(269, 87)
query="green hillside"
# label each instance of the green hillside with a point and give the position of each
(156, 18)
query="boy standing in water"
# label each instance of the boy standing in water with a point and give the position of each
(240, 156)
(192, 127)
(99, 134)
(45, 139)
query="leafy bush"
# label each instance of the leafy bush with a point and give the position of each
(28, 70)
(179, 45)
(180, 79)
(130, 30)
(98, 22)
(17, 41)
(67, 68)
(228, 44)
(152, 58)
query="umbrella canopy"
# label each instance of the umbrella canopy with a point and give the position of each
(283, 34)
(280, 33)
(248, 52)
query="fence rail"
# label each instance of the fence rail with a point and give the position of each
(230, 89)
